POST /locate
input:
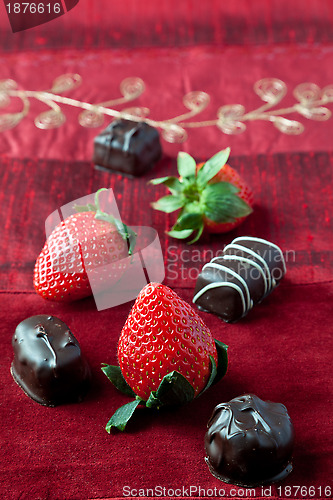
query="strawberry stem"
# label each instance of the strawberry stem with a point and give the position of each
(173, 390)
(198, 199)
(97, 194)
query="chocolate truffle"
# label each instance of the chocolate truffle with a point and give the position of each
(48, 364)
(127, 147)
(249, 442)
(242, 276)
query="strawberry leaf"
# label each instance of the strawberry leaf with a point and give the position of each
(168, 203)
(228, 208)
(213, 374)
(115, 376)
(121, 416)
(161, 180)
(127, 234)
(153, 401)
(212, 167)
(180, 235)
(222, 360)
(186, 165)
(198, 235)
(174, 389)
(188, 221)
(219, 370)
(172, 183)
(218, 189)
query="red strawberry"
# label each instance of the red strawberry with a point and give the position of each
(211, 196)
(163, 333)
(164, 343)
(78, 248)
(228, 174)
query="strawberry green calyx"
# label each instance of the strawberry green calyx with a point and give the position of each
(174, 389)
(197, 199)
(125, 232)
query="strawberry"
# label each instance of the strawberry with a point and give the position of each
(166, 353)
(78, 248)
(211, 196)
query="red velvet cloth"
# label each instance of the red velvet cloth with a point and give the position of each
(293, 207)
(282, 350)
(169, 74)
(170, 23)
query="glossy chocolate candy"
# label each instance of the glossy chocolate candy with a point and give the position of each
(48, 364)
(242, 276)
(127, 147)
(249, 442)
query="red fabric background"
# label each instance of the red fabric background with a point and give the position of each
(170, 73)
(282, 351)
(170, 23)
(293, 207)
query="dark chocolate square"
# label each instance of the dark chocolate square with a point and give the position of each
(127, 147)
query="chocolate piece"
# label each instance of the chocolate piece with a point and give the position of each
(127, 147)
(48, 364)
(246, 272)
(249, 442)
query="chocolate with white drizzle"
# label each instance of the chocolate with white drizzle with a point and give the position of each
(249, 442)
(242, 276)
(48, 364)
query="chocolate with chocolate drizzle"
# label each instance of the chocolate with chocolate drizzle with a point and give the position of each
(48, 364)
(249, 442)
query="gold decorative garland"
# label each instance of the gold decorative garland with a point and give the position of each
(230, 119)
